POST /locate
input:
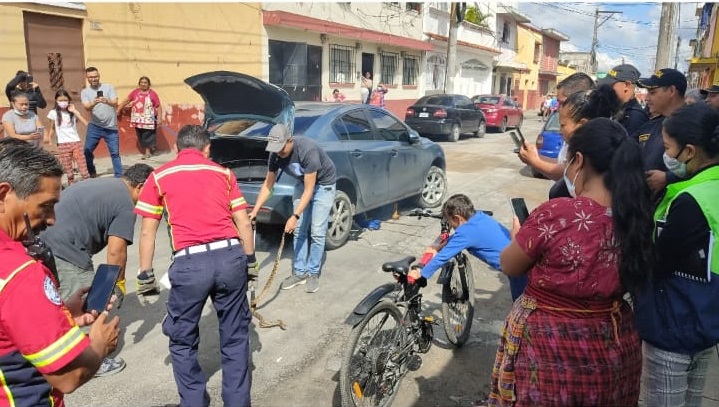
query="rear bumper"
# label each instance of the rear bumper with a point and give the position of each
(430, 127)
(493, 120)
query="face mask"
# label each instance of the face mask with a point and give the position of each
(675, 166)
(571, 187)
(19, 113)
(63, 105)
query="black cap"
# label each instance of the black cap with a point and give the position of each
(665, 77)
(620, 73)
(713, 89)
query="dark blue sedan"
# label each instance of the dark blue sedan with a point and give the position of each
(379, 159)
(549, 141)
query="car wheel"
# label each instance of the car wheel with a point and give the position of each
(340, 222)
(503, 127)
(521, 120)
(434, 188)
(454, 133)
(481, 130)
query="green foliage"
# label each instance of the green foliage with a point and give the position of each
(474, 16)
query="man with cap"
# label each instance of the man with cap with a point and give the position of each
(665, 94)
(303, 159)
(712, 96)
(622, 79)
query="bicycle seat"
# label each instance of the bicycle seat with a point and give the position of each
(399, 266)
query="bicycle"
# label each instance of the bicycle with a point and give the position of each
(389, 331)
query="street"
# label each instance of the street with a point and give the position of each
(299, 366)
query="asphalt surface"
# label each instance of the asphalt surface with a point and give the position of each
(299, 366)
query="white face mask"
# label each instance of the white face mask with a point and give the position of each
(63, 105)
(571, 186)
(675, 166)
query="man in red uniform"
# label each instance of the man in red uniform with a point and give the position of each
(43, 353)
(206, 213)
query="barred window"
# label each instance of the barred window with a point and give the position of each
(409, 70)
(388, 64)
(342, 63)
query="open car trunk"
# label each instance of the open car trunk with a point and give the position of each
(245, 156)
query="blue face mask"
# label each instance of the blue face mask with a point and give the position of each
(571, 187)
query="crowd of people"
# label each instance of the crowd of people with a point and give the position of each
(613, 279)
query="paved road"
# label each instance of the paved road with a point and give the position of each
(298, 367)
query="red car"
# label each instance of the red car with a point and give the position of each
(500, 111)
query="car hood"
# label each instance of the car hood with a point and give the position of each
(236, 96)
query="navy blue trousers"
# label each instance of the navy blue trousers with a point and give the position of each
(221, 275)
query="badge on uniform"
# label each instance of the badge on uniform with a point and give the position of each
(51, 291)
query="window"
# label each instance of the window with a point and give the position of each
(414, 7)
(342, 63)
(353, 126)
(508, 103)
(537, 52)
(389, 128)
(463, 102)
(409, 70)
(505, 32)
(388, 67)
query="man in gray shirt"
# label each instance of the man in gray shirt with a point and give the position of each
(92, 215)
(101, 100)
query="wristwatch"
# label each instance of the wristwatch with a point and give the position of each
(296, 216)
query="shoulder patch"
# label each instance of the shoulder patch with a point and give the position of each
(51, 291)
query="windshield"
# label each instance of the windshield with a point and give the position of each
(552, 123)
(487, 100)
(435, 100)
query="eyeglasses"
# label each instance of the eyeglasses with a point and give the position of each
(93, 77)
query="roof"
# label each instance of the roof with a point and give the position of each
(546, 32)
(513, 13)
(438, 37)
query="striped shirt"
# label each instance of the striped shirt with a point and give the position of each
(199, 197)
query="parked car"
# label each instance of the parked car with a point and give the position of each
(549, 141)
(446, 114)
(379, 159)
(500, 111)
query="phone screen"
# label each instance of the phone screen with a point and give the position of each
(99, 93)
(102, 287)
(517, 138)
(520, 209)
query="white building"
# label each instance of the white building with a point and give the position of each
(505, 64)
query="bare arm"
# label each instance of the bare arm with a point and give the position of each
(310, 181)
(122, 105)
(9, 128)
(513, 260)
(244, 230)
(117, 254)
(148, 233)
(529, 155)
(265, 192)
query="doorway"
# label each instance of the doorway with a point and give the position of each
(367, 64)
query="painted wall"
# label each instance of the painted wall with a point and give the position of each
(564, 71)
(528, 83)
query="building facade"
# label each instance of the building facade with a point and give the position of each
(511, 71)
(703, 64)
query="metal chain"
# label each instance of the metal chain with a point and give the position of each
(254, 301)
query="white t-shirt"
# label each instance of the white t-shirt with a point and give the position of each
(67, 130)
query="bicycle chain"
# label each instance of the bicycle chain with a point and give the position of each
(253, 303)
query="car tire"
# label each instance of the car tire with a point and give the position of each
(521, 120)
(454, 133)
(503, 127)
(340, 221)
(481, 130)
(434, 188)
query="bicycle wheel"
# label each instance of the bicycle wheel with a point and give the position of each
(458, 303)
(369, 375)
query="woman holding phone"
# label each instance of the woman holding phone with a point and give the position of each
(22, 123)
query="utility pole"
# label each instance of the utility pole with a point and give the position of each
(456, 16)
(666, 35)
(597, 24)
(676, 54)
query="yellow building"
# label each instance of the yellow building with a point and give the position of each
(703, 65)
(526, 82)
(564, 70)
(167, 42)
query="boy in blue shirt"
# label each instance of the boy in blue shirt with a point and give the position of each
(475, 231)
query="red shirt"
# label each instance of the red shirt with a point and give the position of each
(199, 197)
(37, 332)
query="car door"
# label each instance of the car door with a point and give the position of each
(366, 155)
(470, 113)
(511, 111)
(406, 168)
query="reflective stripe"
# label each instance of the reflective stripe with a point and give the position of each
(5, 281)
(237, 202)
(151, 209)
(58, 349)
(192, 167)
(6, 389)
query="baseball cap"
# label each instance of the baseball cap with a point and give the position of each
(665, 77)
(279, 134)
(712, 89)
(620, 73)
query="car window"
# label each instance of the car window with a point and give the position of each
(508, 103)
(435, 100)
(463, 102)
(487, 100)
(552, 123)
(353, 126)
(389, 128)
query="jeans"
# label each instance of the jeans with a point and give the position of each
(220, 274)
(312, 227)
(673, 379)
(94, 134)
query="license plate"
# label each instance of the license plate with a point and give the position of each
(424, 115)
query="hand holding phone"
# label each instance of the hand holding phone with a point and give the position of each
(103, 285)
(100, 94)
(519, 207)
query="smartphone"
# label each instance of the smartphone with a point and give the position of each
(102, 287)
(519, 207)
(100, 94)
(517, 137)
(29, 79)
(40, 130)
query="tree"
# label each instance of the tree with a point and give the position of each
(475, 16)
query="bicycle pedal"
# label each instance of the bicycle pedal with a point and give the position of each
(414, 362)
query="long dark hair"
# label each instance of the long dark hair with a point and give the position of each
(618, 159)
(593, 103)
(58, 118)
